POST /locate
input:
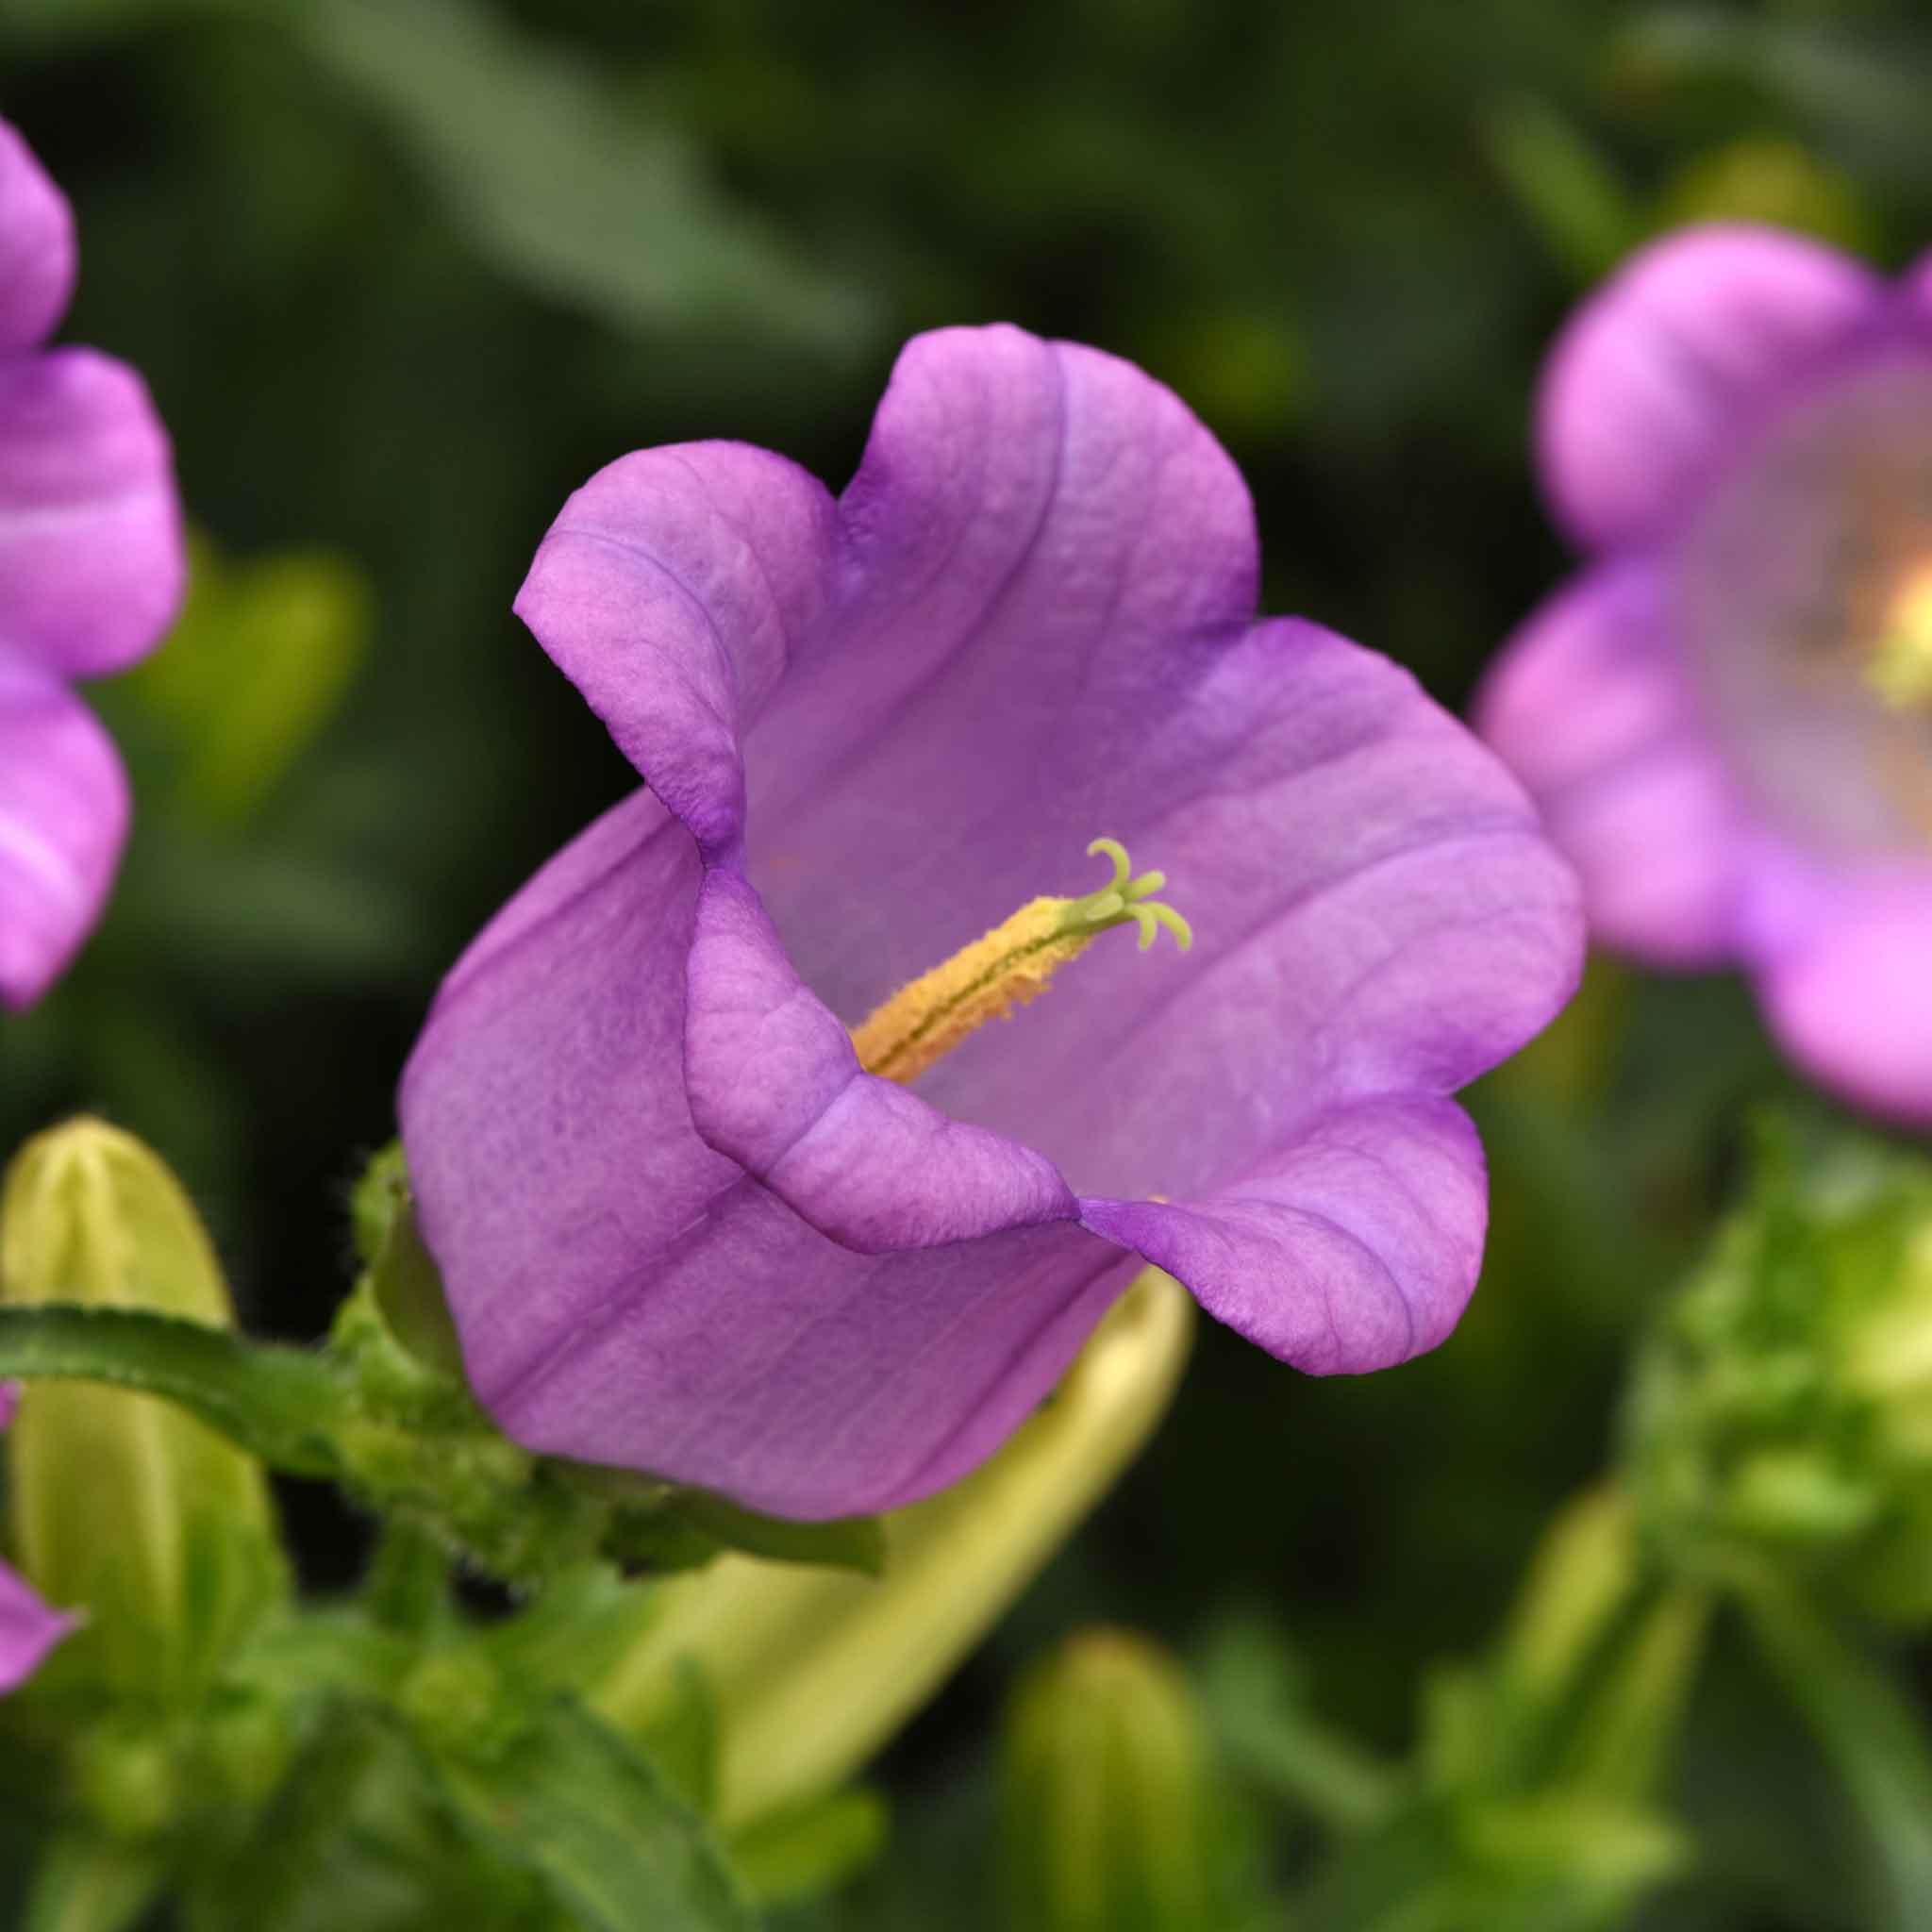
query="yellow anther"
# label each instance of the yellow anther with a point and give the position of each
(1007, 967)
(1900, 669)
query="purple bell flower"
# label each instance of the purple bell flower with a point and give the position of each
(1726, 716)
(91, 573)
(29, 1629)
(685, 1227)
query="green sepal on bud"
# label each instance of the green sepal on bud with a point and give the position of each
(1107, 1808)
(121, 1505)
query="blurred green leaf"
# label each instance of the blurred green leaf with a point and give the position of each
(84, 1883)
(569, 1801)
(1875, 1737)
(812, 1849)
(850, 1542)
(565, 186)
(1570, 192)
(254, 668)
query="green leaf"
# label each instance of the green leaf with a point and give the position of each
(565, 185)
(812, 1848)
(1570, 191)
(256, 666)
(569, 1801)
(84, 1883)
(1868, 1728)
(852, 1542)
(280, 1404)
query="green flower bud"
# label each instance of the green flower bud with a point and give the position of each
(122, 1506)
(808, 1670)
(1783, 1411)
(1108, 1819)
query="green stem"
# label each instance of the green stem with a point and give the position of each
(408, 1587)
(283, 1405)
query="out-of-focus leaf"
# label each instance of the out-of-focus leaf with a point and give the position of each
(1255, 1695)
(850, 1542)
(569, 1801)
(812, 1849)
(1876, 1742)
(89, 1884)
(1571, 193)
(254, 667)
(566, 188)
(1867, 92)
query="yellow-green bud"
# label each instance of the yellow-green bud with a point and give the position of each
(811, 1671)
(1107, 1821)
(122, 1506)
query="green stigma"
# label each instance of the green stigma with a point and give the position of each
(1127, 897)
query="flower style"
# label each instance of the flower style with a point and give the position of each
(29, 1629)
(1728, 715)
(687, 1227)
(91, 573)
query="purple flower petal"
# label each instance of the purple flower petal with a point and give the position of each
(1849, 994)
(29, 1629)
(63, 818)
(1655, 377)
(683, 1230)
(627, 1294)
(1357, 1246)
(1592, 704)
(91, 556)
(37, 253)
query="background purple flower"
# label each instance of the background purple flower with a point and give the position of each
(91, 573)
(1727, 716)
(29, 1629)
(683, 1231)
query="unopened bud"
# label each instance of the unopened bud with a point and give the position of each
(1106, 1811)
(123, 1508)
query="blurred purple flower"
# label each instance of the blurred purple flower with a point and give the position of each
(90, 571)
(1728, 715)
(29, 1629)
(683, 1231)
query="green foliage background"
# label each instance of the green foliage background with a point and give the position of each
(402, 273)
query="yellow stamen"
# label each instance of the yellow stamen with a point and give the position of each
(1901, 666)
(1007, 967)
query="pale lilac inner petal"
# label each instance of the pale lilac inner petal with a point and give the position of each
(1373, 905)
(1041, 549)
(1043, 638)
(1803, 585)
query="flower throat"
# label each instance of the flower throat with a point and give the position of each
(1013, 963)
